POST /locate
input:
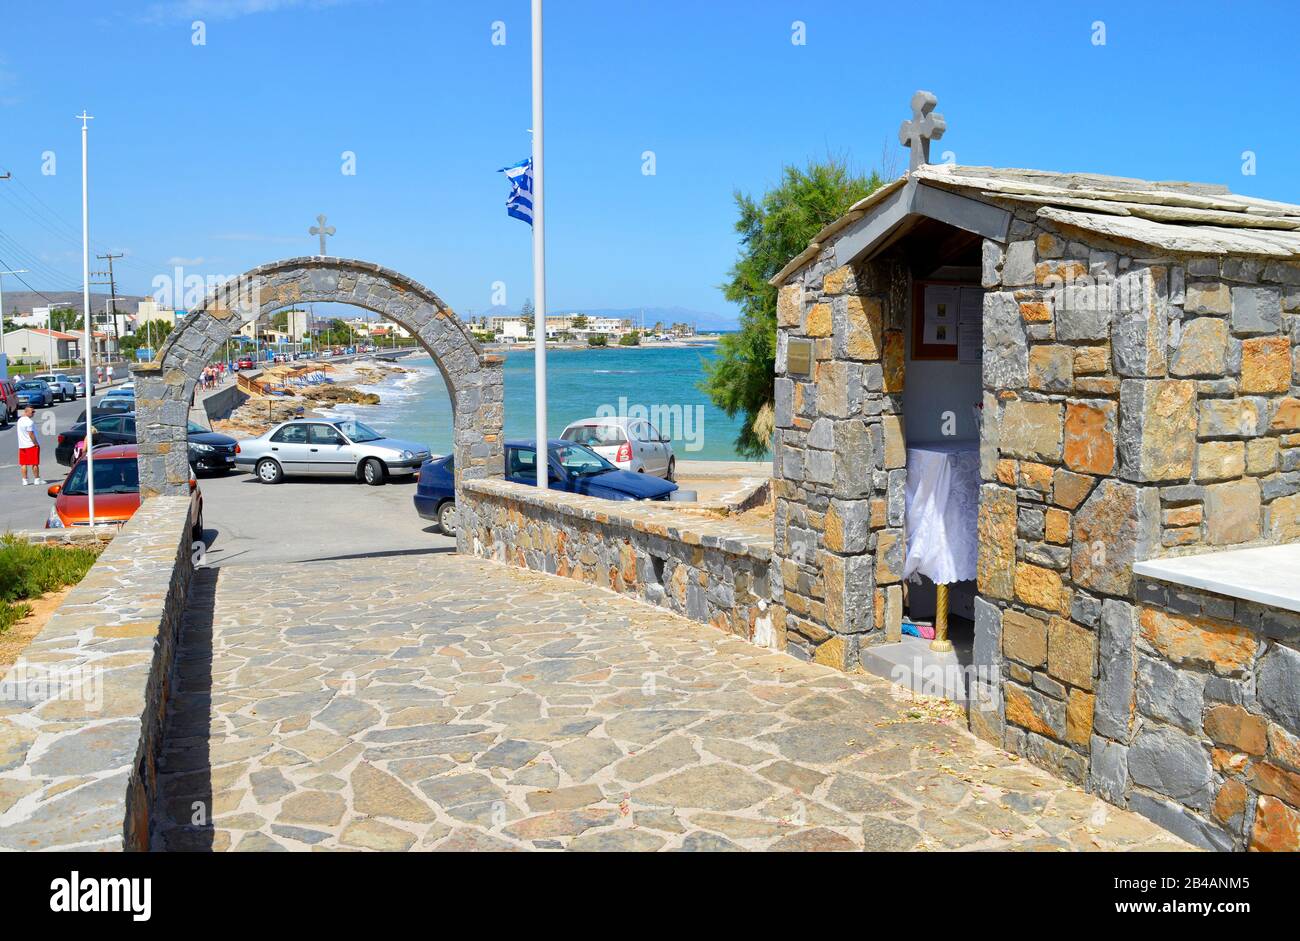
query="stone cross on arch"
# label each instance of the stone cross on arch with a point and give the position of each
(924, 127)
(323, 230)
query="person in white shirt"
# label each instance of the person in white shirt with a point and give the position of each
(29, 449)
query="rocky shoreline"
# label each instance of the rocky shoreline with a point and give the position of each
(262, 412)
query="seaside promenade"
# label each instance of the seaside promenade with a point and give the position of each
(416, 699)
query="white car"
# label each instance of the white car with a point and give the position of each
(127, 390)
(61, 385)
(79, 383)
(630, 444)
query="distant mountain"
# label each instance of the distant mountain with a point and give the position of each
(24, 301)
(703, 320)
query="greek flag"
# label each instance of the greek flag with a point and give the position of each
(520, 202)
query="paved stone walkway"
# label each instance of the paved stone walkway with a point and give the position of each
(440, 702)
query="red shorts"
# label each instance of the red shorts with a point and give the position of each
(29, 457)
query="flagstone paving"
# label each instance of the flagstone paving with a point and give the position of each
(447, 703)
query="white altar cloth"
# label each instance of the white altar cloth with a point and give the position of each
(943, 494)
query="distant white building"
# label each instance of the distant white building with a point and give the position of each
(39, 317)
(298, 324)
(148, 310)
(516, 328)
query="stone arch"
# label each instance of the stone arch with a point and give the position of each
(165, 386)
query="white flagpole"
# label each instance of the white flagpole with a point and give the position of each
(85, 307)
(539, 257)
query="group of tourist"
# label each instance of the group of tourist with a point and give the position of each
(213, 375)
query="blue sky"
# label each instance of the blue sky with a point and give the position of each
(220, 156)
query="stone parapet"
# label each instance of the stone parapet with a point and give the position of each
(1198, 716)
(100, 535)
(81, 712)
(715, 571)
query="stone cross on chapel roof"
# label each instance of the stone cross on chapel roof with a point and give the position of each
(923, 128)
(323, 230)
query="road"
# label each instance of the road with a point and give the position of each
(312, 519)
(26, 508)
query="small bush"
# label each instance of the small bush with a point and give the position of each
(12, 613)
(29, 570)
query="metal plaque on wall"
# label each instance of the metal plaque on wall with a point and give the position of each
(798, 357)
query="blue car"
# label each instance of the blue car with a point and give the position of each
(573, 469)
(35, 393)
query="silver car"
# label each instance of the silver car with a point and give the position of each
(317, 447)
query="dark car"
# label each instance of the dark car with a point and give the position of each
(572, 468)
(114, 406)
(210, 452)
(33, 392)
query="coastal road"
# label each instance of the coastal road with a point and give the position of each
(26, 508)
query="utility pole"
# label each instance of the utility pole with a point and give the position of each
(112, 295)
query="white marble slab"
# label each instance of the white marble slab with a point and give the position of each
(1268, 574)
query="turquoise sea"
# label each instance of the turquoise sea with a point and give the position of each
(659, 381)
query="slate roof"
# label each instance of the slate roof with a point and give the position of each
(1192, 218)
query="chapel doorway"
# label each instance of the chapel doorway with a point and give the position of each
(941, 408)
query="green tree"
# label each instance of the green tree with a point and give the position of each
(597, 339)
(65, 319)
(772, 231)
(579, 322)
(630, 339)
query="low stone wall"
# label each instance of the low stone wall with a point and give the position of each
(1201, 717)
(220, 404)
(100, 535)
(81, 712)
(709, 570)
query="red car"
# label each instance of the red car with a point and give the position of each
(8, 401)
(117, 492)
(245, 363)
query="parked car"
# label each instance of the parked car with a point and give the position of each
(118, 392)
(319, 448)
(117, 492)
(630, 444)
(60, 384)
(8, 401)
(245, 363)
(33, 392)
(572, 468)
(79, 384)
(210, 452)
(114, 406)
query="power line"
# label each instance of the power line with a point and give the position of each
(69, 233)
(38, 266)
